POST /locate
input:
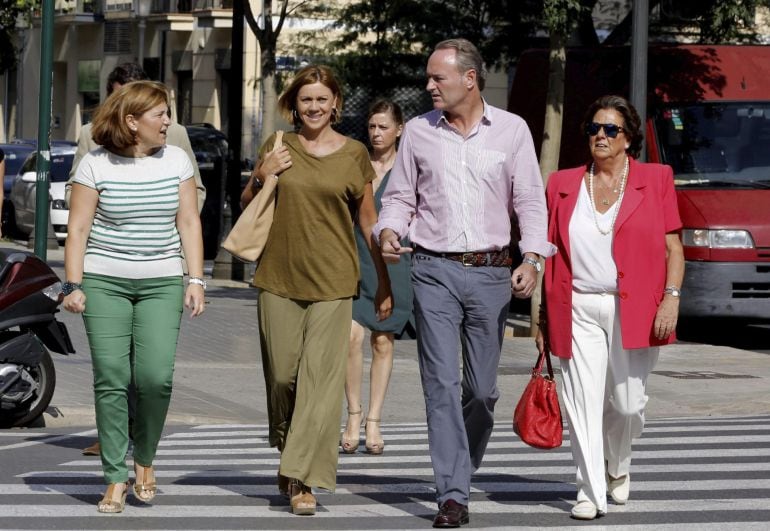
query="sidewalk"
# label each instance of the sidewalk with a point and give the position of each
(218, 377)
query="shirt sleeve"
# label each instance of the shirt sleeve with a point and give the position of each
(671, 219)
(367, 171)
(399, 201)
(85, 173)
(185, 166)
(529, 196)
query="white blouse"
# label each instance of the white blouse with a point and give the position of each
(593, 267)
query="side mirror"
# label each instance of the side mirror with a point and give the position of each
(29, 177)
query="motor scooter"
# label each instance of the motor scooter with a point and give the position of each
(30, 294)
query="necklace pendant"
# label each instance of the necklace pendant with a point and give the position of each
(605, 202)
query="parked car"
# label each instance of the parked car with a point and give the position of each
(25, 185)
(15, 155)
(210, 148)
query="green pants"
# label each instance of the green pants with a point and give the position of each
(304, 352)
(132, 328)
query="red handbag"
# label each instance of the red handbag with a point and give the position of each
(537, 417)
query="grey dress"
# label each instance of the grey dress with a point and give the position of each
(401, 321)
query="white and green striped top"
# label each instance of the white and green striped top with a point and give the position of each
(134, 231)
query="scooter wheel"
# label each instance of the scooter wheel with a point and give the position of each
(45, 375)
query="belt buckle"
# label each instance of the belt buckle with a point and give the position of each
(468, 259)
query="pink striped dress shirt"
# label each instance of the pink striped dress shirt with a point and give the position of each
(455, 194)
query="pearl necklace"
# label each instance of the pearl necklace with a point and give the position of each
(616, 206)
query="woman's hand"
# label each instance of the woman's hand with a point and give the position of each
(383, 302)
(195, 300)
(275, 162)
(666, 317)
(75, 302)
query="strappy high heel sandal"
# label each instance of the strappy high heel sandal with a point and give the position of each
(145, 489)
(302, 500)
(374, 448)
(109, 504)
(350, 446)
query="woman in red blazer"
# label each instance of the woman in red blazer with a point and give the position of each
(611, 295)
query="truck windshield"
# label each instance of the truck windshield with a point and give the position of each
(716, 144)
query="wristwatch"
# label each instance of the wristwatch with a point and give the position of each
(673, 291)
(68, 287)
(197, 280)
(534, 263)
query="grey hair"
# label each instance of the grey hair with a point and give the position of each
(468, 58)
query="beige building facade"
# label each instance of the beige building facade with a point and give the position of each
(184, 43)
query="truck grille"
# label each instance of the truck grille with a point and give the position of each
(751, 290)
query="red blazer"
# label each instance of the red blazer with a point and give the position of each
(648, 212)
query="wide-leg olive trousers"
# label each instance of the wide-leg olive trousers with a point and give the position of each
(121, 313)
(304, 352)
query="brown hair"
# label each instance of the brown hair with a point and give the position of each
(384, 106)
(287, 103)
(632, 124)
(109, 127)
(467, 57)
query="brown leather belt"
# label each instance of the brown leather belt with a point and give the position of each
(499, 258)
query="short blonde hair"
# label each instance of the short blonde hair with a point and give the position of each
(287, 103)
(109, 128)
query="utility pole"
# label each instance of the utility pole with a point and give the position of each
(225, 265)
(44, 131)
(640, 19)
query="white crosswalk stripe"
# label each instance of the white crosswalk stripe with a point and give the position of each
(697, 473)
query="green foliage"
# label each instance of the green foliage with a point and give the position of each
(10, 11)
(385, 43)
(728, 21)
(561, 16)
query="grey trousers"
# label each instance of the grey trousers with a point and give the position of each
(457, 306)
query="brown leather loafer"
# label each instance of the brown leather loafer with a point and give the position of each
(451, 514)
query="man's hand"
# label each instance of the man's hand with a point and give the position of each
(391, 248)
(523, 281)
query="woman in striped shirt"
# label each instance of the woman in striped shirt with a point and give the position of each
(133, 210)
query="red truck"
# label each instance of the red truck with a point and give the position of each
(708, 116)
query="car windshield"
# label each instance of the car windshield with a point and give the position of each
(716, 145)
(14, 158)
(60, 168)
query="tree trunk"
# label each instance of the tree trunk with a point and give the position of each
(269, 105)
(549, 151)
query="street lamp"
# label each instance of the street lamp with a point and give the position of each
(142, 10)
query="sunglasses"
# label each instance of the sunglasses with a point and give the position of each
(611, 130)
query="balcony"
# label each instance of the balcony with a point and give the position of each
(71, 12)
(172, 15)
(213, 13)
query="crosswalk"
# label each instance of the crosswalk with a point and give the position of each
(695, 473)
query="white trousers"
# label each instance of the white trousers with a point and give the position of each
(604, 394)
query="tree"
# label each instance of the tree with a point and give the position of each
(10, 11)
(267, 36)
(379, 44)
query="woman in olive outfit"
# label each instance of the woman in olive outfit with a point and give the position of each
(308, 276)
(133, 210)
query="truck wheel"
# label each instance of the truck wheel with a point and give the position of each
(45, 376)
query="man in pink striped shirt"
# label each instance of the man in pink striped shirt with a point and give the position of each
(462, 171)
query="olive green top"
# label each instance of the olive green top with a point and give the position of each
(310, 253)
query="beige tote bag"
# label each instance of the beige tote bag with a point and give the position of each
(248, 237)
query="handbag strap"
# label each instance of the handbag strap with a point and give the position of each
(278, 139)
(544, 356)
